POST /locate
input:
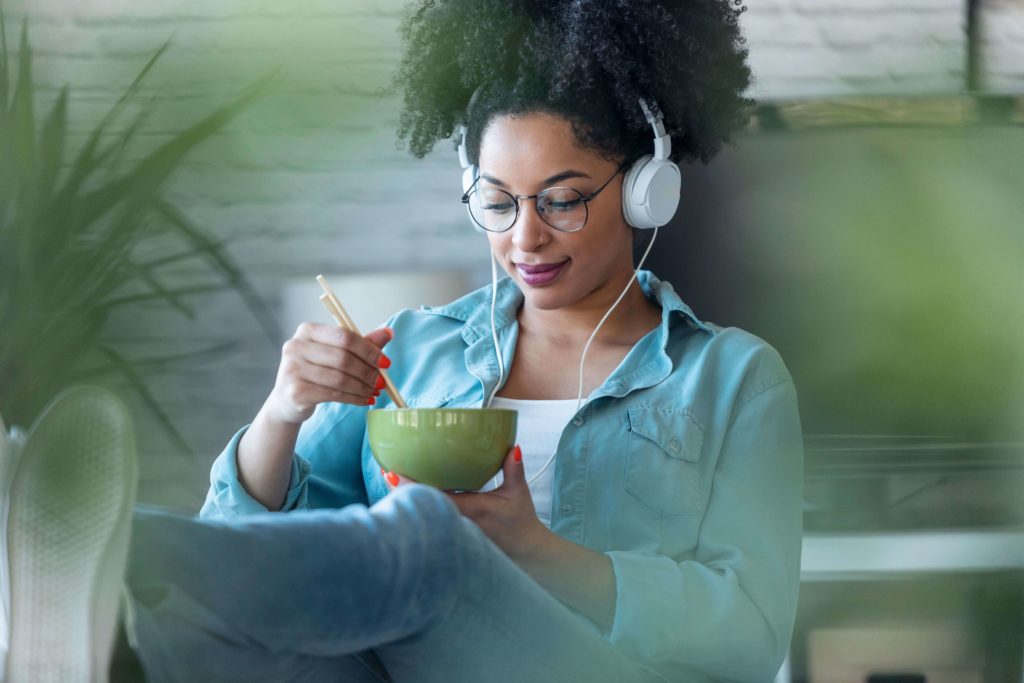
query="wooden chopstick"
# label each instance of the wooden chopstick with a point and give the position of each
(340, 316)
(337, 311)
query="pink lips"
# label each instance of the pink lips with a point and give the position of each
(540, 275)
(539, 268)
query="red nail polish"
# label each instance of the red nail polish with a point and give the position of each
(392, 478)
(370, 401)
(376, 392)
(383, 471)
(384, 361)
(380, 383)
(518, 454)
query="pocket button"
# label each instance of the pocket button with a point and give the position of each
(578, 421)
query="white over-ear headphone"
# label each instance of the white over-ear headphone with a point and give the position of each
(650, 190)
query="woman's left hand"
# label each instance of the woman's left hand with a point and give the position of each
(506, 514)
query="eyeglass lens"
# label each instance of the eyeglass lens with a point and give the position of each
(562, 208)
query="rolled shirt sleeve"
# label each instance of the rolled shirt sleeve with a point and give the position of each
(325, 468)
(730, 611)
(227, 497)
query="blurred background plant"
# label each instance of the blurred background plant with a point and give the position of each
(82, 237)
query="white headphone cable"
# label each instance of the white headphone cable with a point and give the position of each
(494, 338)
(494, 334)
(579, 396)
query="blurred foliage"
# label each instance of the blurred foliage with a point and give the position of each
(69, 232)
(888, 269)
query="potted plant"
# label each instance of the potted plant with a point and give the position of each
(70, 228)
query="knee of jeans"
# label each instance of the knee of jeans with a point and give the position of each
(436, 518)
(444, 541)
(433, 509)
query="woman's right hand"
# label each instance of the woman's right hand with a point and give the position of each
(327, 363)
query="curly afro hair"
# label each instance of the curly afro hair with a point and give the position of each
(587, 61)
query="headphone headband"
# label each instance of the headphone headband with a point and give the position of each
(662, 141)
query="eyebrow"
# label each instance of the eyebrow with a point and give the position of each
(564, 175)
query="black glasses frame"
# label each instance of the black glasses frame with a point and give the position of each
(586, 198)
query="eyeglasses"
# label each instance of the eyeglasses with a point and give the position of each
(563, 208)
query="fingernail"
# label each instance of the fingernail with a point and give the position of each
(376, 392)
(392, 478)
(383, 471)
(518, 454)
(380, 383)
(370, 401)
(384, 361)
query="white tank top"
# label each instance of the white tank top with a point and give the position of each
(538, 429)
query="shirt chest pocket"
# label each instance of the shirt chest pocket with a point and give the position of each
(663, 460)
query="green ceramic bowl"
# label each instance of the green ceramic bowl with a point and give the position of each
(450, 448)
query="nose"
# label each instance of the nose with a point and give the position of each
(529, 231)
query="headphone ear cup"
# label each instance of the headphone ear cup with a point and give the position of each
(629, 210)
(650, 192)
(468, 178)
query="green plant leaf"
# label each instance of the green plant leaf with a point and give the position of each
(4, 74)
(3, 60)
(213, 246)
(137, 81)
(162, 364)
(124, 367)
(88, 160)
(147, 176)
(51, 146)
(151, 296)
(6, 155)
(119, 147)
(22, 110)
(151, 281)
(222, 262)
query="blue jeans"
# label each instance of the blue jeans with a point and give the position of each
(406, 590)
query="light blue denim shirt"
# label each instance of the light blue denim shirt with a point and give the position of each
(685, 467)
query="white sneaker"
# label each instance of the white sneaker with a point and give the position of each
(68, 527)
(8, 453)
(10, 447)
(5, 588)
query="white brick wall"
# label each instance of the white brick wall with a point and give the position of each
(816, 48)
(1001, 29)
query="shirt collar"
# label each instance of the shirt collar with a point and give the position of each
(474, 309)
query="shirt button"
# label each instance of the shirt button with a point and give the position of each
(578, 421)
(674, 446)
(566, 509)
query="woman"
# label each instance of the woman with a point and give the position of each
(651, 533)
(669, 523)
